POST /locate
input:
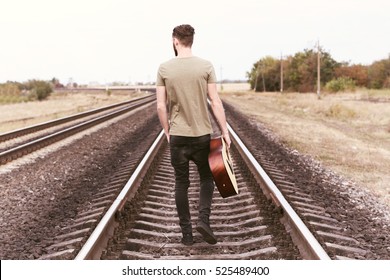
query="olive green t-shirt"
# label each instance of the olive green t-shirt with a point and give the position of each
(185, 80)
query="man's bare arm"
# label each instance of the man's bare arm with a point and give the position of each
(219, 112)
(162, 109)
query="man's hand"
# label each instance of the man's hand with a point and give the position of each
(219, 112)
(167, 135)
(226, 137)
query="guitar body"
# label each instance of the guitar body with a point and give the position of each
(222, 168)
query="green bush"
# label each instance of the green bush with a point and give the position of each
(14, 92)
(340, 84)
(40, 89)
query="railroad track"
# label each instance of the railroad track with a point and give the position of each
(41, 135)
(251, 225)
(248, 225)
(138, 221)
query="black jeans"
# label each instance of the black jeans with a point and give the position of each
(196, 149)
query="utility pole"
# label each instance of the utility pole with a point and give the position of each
(257, 77)
(221, 80)
(281, 73)
(318, 70)
(262, 75)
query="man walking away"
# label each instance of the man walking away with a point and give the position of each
(183, 85)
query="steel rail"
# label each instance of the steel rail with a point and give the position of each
(307, 243)
(24, 149)
(94, 245)
(309, 246)
(26, 130)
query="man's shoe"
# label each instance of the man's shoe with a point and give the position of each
(205, 230)
(187, 239)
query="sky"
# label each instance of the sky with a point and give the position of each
(109, 41)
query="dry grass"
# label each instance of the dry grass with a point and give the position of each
(228, 87)
(14, 116)
(349, 133)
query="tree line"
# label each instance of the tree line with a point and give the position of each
(11, 91)
(299, 72)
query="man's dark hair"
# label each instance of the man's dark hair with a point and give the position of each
(185, 34)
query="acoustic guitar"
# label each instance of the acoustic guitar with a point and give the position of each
(222, 168)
